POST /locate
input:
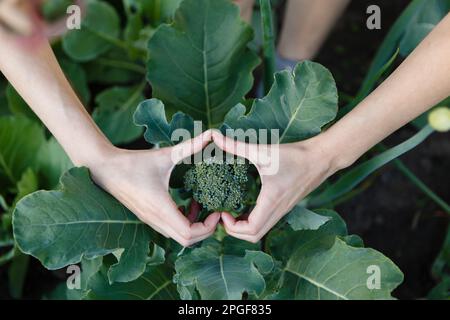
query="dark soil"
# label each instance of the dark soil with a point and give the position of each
(396, 218)
(392, 215)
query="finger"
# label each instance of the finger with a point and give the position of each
(183, 231)
(242, 227)
(256, 220)
(201, 229)
(186, 241)
(212, 220)
(210, 223)
(15, 18)
(190, 147)
(257, 237)
(164, 227)
(252, 239)
(173, 234)
(241, 149)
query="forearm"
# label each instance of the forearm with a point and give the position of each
(38, 78)
(306, 26)
(246, 7)
(418, 84)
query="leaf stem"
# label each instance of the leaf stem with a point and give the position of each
(157, 11)
(7, 170)
(125, 65)
(140, 87)
(268, 43)
(117, 42)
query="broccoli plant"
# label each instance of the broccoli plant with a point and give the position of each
(39, 165)
(217, 185)
(200, 68)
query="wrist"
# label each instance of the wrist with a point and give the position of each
(95, 155)
(291, 50)
(330, 152)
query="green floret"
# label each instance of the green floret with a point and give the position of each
(218, 186)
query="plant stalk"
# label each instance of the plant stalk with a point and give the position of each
(268, 43)
(130, 66)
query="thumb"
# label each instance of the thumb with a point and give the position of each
(238, 148)
(187, 148)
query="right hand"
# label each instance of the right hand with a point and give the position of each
(301, 167)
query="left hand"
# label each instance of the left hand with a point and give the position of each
(302, 167)
(139, 179)
(24, 21)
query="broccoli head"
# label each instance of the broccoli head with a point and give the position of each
(217, 185)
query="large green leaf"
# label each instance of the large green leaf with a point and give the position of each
(341, 272)
(20, 141)
(422, 23)
(300, 218)
(217, 273)
(114, 113)
(52, 10)
(298, 105)
(200, 64)
(99, 31)
(89, 268)
(60, 227)
(327, 264)
(151, 115)
(155, 284)
(325, 235)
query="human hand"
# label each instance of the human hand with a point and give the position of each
(302, 167)
(23, 19)
(140, 181)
